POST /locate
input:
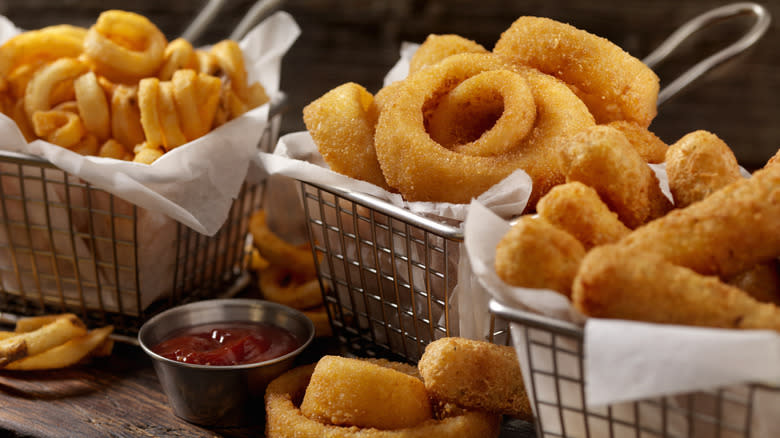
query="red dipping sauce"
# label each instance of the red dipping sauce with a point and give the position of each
(229, 343)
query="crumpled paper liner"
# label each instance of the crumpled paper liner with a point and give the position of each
(629, 361)
(194, 185)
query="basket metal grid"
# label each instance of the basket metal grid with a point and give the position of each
(554, 377)
(68, 246)
(366, 250)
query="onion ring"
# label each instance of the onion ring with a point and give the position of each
(475, 375)
(178, 54)
(126, 117)
(230, 60)
(367, 391)
(423, 170)
(613, 84)
(437, 47)
(285, 420)
(93, 105)
(124, 46)
(37, 97)
(485, 114)
(342, 123)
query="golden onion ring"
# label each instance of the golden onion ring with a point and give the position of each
(423, 170)
(285, 420)
(612, 83)
(437, 47)
(124, 46)
(352, 392)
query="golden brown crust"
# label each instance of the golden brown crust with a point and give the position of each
(475, 375)
(651, 148)
(602, 157)
(614, 84)
(437, 47)
(285, 420)
(616, 282)
(536, 254)
(697, 165)
(725, 234)
(577, 209)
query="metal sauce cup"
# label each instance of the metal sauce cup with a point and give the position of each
(221, 396)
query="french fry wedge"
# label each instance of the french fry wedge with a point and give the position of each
(39, 340)
(30, 323)
(67, 354)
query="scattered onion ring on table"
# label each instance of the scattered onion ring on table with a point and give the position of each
(127, 84)
(284, 418)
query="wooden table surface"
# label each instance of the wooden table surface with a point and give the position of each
(118, 396)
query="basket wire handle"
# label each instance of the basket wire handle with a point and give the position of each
(762, 16)
(259, 11)
(202, 21)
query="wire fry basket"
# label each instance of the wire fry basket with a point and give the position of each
(67, 246)
(551, 355)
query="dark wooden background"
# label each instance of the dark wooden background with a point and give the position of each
(358, 40)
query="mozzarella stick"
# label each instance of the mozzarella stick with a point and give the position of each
(615, 283)
(727, 233)
(536, 254)
(602, 157)
(577, 209)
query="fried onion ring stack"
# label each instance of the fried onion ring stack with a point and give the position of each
(286, 416)
(465, 117)
(119, 89)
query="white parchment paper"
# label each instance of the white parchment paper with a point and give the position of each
(628, 361)
(194, 184)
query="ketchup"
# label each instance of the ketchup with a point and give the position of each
(230, 343)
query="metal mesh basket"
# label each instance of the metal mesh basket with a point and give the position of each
(67, 246)
(552, 354)
(367, 251)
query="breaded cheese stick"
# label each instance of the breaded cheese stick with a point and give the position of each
(475, 375)
(698, 164)
(615, 283)
(577, 209)
(536, 254)
(602, 157)
(727, 233)
(651, 148)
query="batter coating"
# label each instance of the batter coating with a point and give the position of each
(614, 84)
(476, 375)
